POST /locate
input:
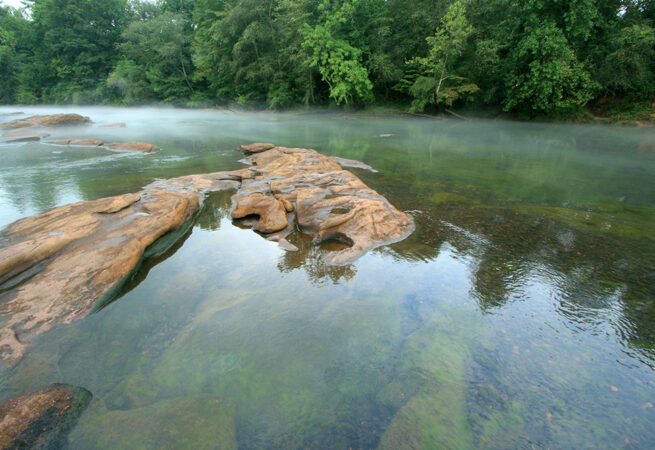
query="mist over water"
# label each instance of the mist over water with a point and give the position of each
(521, 312)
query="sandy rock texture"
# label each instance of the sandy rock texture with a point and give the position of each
(58, 266)
(131, 146)
(81, 142)
(41, 419)
(52, 120)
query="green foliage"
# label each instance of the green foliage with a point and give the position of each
(438, 83)
(338, 63)
(532, 57)
(547, 77)
(156, 60)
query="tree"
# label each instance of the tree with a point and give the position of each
(547, 78)
(74, 46)
(437, 81)
(156, 60)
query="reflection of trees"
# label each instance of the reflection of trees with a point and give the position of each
(310, 257)
(591, 274)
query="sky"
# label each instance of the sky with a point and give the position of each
(14, 3)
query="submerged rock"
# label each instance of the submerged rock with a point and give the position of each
(352, 163)
(56, 267)
(131, 146)
(47, 121)
(198, 421)
(41, 419)
(81, 142)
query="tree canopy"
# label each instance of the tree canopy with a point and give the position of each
(529, 57)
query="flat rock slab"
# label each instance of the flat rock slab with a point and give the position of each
(41, 419)
(47, 121)
(80, 142)
(25, 132)
(131, 146)
(115, 125)
(58, 266)
(26, 139)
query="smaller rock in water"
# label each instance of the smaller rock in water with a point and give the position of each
(41, 419)
(81, 142)
(25, 139)
(257, 147)
(22, 132)
(132, 146)
(115, 125)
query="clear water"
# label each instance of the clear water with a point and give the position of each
(520, 313)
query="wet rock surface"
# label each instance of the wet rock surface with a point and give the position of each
(81, 142)
(328, 202)
(131, 146)
(47, 121)
(58, 266)
(41, 419)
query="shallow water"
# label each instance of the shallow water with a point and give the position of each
(520, 313)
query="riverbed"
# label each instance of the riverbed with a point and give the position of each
(521, 312)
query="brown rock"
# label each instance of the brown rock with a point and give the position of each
(47, 121)
(25, 139)
(41, 419)
(22, 132)
(132, 146)
(271, 212)
(56, 267)
(256, 148)
(81, 142)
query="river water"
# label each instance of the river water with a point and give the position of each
(520, 313)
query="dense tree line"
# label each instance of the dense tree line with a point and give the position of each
(533, 57)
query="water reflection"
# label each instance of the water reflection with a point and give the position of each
(520, 313)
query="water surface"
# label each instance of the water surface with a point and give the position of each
(520, 313)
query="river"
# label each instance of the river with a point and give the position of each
(521, 312)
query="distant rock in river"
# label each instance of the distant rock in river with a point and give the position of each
(47, 121)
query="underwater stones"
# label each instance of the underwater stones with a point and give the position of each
(195, 421)
(256, 147)
(131, 146)
(343, 162)
(47, 121)
(271, 212)
(41, 419)
(81, 142)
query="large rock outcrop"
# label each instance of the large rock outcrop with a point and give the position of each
(52, 120)
(56, 267)
(41, 419)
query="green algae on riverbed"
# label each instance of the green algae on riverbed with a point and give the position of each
(520, 313)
